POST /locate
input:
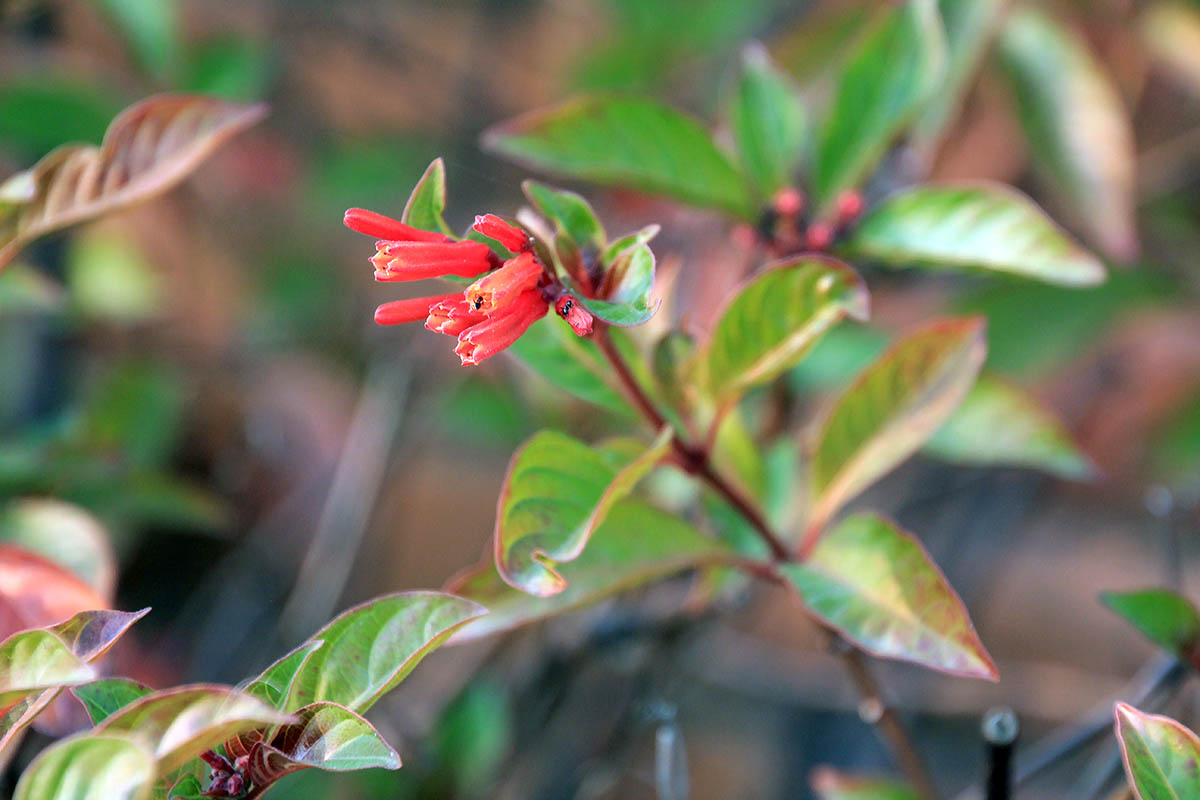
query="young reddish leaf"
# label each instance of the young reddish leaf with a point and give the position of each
(558, 490)
(65, 534)
(35, 591)
(775, 319)
(636, 544)
(427, 202)
(370, 648)
(572, 363)
(149, 148)
(768, 121)
(892, 72)
(975, 226)
(275, 683)
(1162, 758)
(1000, 424)
(877, 585)
(892, 409)
(830, 784)
(1078, 129)
(1164, 617)
(103, 698)
(34, 661)
(176, 724)
(91, 767)
(627, 141)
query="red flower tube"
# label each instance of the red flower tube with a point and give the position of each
(411, 261)
(484, 340)
(381, 227)
(578, 317)
(512, 237)
(399, 312)
(496, 290)
(453, 316)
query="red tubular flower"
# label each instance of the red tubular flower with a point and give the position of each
(381, 227)
(398, 312)
(412, 261)
(453, 316)
(578, 317)
(487, 338)
(512, 237)
(494, 291)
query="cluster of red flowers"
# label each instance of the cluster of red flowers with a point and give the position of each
(495, 310)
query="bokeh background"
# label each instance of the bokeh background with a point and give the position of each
(201, 376)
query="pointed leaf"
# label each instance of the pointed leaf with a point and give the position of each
(1078, 129)
(1164, 617)
(558, 490)
(275, 683)
(1001, 424)
(628, 242)
(570, 362)
(427, 202)
(877, 585)
(325, 736)
(973, 226)
(89, 768)
(33, 661)
(893, 70)
(636, 544)
(833, 785)
(627, 290)
(768, 120)
(150, 147)
(103, 698)
(892, 409)
(626, 141)
(775, 319)
(1162, 758)
(372, 647)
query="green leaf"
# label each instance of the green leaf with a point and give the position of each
(975, 226)
(636, 544)
(776, 318)
(891, 73)
(89, 768)
(102, 698)
(1000, 424)
(1077, 127)
(627, 289)
(1164, 617)
(275, 683)
(152, 29)
(892, 409)
(768, 121)
(626, 141)
(25, 291)
(627, 242)
(574, 364)
(370, 648)
(1162, 758)
(557, 491)
(569, 212)
(325, 736)
(177, 724)
(875, 584)
(427, 202)
(36, 660)
(833, 785)
(65, 534)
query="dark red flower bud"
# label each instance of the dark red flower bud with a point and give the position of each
(399, 312)
(819, 236)
(411, 261)
(788, 202)
(493, 227)
(494, 291)
(234, 785)
(849, 206)
(381, 227)
(578, 317)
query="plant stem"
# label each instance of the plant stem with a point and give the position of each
(697, 461)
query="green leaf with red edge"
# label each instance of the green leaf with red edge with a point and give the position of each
(1001, 424)
(33, 661)
(768, 121)
(875, 584)
(627, 141)
(557, 491)
(570, 213)
(972, 226)
(627, 289)
(177, 724)
(892, 71)
(775, 319)
(370, 648)
(1162, 757)
(427, 202)
(91, 767)
(1078, 130)
(574, 364)
(275, 683)
(829, 784)
(103, 698)
(148, 148)
(636, 544)
(892, 409)
(1164, 617)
